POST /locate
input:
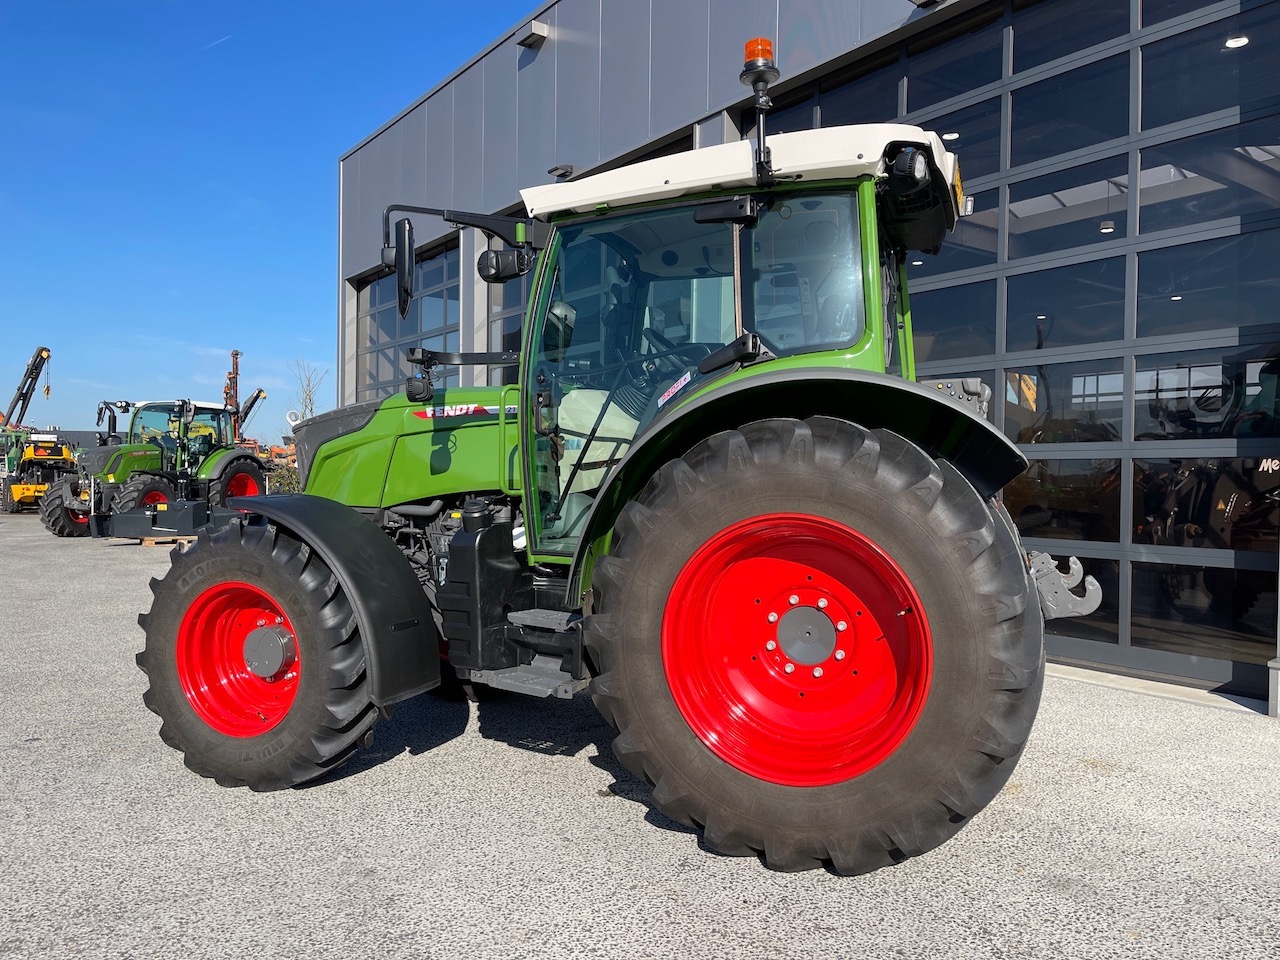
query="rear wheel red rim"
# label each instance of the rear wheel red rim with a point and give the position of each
(796, 649)
(242, 485)
(152, 497)
(212, 669)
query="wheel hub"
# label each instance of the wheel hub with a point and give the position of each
(268, 650)
(806, 635)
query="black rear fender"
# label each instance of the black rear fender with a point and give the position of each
(401, 644)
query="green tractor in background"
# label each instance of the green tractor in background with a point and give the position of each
(716, 498)
(176, 452)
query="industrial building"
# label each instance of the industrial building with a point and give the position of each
(1117, 281)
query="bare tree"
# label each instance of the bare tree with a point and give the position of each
(309, 379)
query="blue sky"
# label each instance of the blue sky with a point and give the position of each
(169, 183)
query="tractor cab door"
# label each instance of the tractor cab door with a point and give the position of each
(158, 424)
(628, 305)
(209, 430)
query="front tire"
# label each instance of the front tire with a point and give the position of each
(818, 643)
(243, 478)
(58, 518)
(7, 503)
(143, 490)
(254, 660)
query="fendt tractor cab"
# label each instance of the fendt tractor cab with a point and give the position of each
(716, 498)
(179, 457)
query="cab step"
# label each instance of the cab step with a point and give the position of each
(541, 678)
(557, 620)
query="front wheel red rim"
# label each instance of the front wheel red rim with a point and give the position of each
(214, 669)
(797, 649)
(242, 485)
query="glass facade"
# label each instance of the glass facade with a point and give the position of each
(382, 336)
(1118, 282)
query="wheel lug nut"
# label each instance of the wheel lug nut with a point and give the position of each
(773, 618)
(839, 654)
(817, 671)
(771, 645)
(789, 668)
(842, 625)
(262, 623)
(822, 603)
(793, 599)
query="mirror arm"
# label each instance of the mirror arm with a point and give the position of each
(430, 358)
(515, 231)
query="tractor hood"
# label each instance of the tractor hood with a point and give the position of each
(311, 434)
(94, 459)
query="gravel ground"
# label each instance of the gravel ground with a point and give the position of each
(1135, 826)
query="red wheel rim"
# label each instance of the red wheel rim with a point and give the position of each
(153, 497)
(212, 668)
(792, 590)
(242, 485)
(76, 517)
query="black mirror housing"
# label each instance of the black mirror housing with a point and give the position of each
(499, 266)
(403, 259)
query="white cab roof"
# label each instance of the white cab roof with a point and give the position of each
(202, 405)
(832, 153)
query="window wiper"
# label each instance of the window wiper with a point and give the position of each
(745, 349)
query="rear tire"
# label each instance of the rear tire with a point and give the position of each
(143, 490)
(243, 478)
(256, 587)
(57, 518)
(888, 733)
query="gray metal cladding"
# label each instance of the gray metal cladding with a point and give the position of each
(468, 139)
(577, 83)
(678, 77)
(624, 77)
(611, 76)
(536, 127)
(499, 156)
(371, 179)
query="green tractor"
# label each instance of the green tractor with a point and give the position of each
(716, 498)
(176, 451)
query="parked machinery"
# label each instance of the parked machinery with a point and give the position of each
(176, 451)
(29, 461)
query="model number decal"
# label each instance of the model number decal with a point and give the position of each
(457, 410)
(675, 388)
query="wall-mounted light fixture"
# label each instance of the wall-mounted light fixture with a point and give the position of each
(562, 171)
(1108, 226)
(924, 3)
(533, 34)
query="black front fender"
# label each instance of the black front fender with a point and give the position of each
(399, 635)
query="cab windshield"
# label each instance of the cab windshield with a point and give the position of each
(636, 301)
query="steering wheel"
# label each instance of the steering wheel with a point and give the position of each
(670, 365)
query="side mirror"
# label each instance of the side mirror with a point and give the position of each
(402, 260)
(188, 413)
(499, 266)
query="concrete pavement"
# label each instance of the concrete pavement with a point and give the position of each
(1140, 823)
